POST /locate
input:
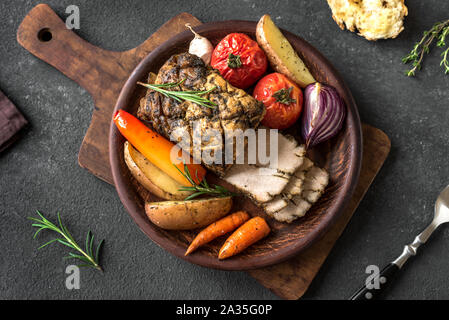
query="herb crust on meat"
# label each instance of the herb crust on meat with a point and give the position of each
(235, 109)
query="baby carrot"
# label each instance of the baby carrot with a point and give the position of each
(156, 148)
(218, 228)
(249, 233)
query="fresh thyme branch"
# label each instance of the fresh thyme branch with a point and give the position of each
(439, 31)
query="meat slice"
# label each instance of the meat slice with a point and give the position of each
(314, 184)
(183, 121)
(277, 204)
(290, 154)
(263, 182)
(295, 205)
(259, 184)
(294, 187)
(295, 209)
(296, 184)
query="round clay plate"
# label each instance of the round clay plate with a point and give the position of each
(341, 157)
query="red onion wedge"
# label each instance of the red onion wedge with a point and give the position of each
(323, 114)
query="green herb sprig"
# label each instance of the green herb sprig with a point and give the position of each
(439, 31)
(234, 61)
(193, 96)
(203, 187)
(86, 255)
(284, 96)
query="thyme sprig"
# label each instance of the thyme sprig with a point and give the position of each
(203, 187)
(439, 31)
(87, 255)
(193, 96)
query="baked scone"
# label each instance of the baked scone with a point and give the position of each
(373, 19)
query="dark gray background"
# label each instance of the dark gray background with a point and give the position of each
(41, 171)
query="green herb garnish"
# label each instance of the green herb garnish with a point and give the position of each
(193, 96)
(439, 31)
(87, 255)
(203, 187)
(234, 61)
(284, 96)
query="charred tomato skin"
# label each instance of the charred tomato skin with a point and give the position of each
(239, 59)
(282, 98)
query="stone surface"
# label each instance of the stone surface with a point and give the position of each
(41, 170)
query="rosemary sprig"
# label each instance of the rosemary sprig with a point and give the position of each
(439, 31)
(193, 96)
(86, 255)
(203, 187)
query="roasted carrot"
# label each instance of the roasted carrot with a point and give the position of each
(218, 228)
(156, 148)
(252, 231)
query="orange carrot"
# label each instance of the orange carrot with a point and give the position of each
(156, 148)
(249, 233)
(218, 228)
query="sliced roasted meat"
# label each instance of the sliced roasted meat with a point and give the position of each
(296, 208)
(293, 203)
(290, 154)
(314, 184)
(296, 184)
(263, 182)
(259, 184)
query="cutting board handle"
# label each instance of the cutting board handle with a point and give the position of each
(46, 36)
(101, 72)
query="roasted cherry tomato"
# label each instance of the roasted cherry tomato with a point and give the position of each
(239, 59)
(282, 99)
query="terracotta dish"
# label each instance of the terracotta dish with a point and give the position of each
(341, 157)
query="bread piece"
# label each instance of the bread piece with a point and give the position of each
(374, 19)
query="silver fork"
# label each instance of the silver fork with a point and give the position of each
(385, 276)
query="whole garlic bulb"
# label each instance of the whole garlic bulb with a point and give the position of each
(200, 46)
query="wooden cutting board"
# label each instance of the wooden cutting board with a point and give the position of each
(102, 73)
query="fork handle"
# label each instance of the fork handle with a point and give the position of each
(387, 274)
(383, 280)
(373, 289)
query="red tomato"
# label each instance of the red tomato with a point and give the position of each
(239, 59)
(282, 99)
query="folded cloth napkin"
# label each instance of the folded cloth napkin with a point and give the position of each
(11, 121)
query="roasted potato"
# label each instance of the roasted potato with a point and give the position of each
(280, 53)
(151, 177)
(186, 215)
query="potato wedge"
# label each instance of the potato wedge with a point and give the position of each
(280, 53)
(151, 177)
(186, 215)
